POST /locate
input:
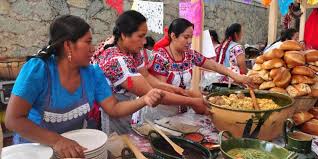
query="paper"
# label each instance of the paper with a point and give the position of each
(208, 49)
(312, 2)
(247, 1)
(153, 11)
(118, 5)
(193, 13)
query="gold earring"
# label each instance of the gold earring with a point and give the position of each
(69, 58)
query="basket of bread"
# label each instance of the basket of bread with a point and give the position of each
(10, 67)
(307, 121)
(289, 70)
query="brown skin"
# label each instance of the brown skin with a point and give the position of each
(142, 84)
(240, 58)
(181, 43)
(68, 68)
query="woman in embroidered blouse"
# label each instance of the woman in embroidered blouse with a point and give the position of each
(123, 65)
(230, 53)
(56, 89)
(173, 63)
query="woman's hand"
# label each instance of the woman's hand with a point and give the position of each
(153, 97)
(245, 80)
(199, 106)
(67, 148)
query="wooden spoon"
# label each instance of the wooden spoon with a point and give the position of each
(255, 105)
(132, 147)
(176, 147)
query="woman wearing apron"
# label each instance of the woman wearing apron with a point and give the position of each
(55, 90)
(123, 65)
(230, 53)
(174, 63)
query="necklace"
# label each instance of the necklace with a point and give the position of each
(182, 85)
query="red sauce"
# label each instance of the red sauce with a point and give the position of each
(195, 137)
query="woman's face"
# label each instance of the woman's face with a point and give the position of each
(183, 41)
(82, 50)
(136, 41)
(239, 36)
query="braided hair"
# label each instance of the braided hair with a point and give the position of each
(63, 28)
(229, 37)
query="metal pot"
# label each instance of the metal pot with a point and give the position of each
(162, 148)
(232, 143)
(263, 124)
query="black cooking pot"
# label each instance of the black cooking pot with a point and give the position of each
(192, 150)
(126, 153)
(219, 87)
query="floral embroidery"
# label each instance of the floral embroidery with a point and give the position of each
(164, 65)
(118, 66)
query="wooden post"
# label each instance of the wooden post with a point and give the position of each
(303, 8)
(197, 45)
(272, 22)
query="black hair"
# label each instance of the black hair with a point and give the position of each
(150, 42)
(178, 26)
(63, 28)
(231, 30)
(214, 35)
(288, 34)
(127, 23)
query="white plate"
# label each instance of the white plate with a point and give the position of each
(27, 151)
(89, 138)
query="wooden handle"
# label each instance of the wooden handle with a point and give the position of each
(255, 105)
(132, 147)
(176, 147)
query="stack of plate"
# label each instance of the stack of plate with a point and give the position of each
(27, 151)
(93, 140)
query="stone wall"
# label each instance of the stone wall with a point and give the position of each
(24, 23)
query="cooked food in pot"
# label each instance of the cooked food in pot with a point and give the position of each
(248, 153)
(240, 102)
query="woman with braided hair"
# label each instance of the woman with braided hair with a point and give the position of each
(230, 53)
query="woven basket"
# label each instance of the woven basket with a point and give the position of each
(10, 68)
(304, 103)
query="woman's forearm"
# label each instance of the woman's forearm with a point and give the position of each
(32, 132)
(175, 99)
(214, 66)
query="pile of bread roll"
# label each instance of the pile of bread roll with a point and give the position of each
(287, 70)
(307, 121)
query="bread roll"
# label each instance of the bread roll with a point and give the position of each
(311, 55)
(278, 90)
(292, 91)
(313, 63)
(276, 71)
(315, 68)
(274, 63)
(303, 89)
(303, 70)
(260, 59)
(273, 54)
(257, 67)
(265, 75)
(302, 117)
(291, 45)
(257, 79)
(267, 85)
(313, 111)
(310, 127)
(314, 93)
(283, 78)
(302, 79)
(294, 58)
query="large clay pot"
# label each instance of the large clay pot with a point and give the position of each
(264, 124)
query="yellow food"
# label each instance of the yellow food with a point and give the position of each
(241, 102)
